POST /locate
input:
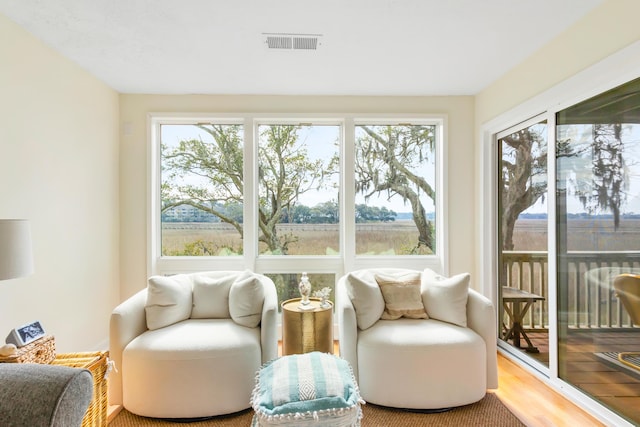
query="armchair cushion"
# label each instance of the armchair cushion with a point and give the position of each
(366, 297)
(402, 296)
(169, 300)
(211, 297)
(246, 297)
(445, 298)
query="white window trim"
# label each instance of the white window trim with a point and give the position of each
(340, 264)
(619, 68)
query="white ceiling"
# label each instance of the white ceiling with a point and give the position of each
(367, 47)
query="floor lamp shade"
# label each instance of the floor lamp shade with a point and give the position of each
(16, 259)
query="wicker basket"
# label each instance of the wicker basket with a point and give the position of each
(42, 350)
(96, 362)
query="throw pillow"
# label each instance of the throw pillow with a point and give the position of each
(169, 300)
(446, 298)
(211, 297)
(246, 298)
(311, 388)
(366, 297)
(402, 296)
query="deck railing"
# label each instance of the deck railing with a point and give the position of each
(588, 300)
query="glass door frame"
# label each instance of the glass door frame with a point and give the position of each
(613, 71)
(549, 119)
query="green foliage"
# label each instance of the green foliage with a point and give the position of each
(322, 213)
(365, 213)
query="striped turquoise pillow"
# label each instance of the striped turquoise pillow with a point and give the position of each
(311, 385)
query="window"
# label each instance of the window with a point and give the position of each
(283, 195)
(395, 189)
(298, 180)
(287, 284)
(201, 189)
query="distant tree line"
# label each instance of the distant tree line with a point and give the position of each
(322, 213)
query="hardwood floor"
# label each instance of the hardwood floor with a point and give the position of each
(526, 396)
(535, 403)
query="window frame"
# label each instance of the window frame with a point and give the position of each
(157, 264)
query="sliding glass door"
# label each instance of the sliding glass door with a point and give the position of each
(598, 239)
(568, 247)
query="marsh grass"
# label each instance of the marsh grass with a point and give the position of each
(201, 239)
(598, 234)
(396, 238)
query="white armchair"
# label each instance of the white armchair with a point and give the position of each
(448, 359)
(189, 345)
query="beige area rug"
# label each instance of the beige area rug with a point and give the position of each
(489, 412)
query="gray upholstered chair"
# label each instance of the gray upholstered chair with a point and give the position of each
(41, 395)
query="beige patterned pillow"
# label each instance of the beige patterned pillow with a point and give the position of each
(402, 296)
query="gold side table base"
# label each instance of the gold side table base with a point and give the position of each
(306, 330)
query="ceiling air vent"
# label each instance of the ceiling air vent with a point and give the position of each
(279, 42)
(292, 41)
(305, 43)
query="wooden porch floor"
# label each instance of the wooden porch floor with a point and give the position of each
(616, 387)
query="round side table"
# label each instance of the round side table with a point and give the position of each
(304, 331)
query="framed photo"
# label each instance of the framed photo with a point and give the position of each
(25, 334)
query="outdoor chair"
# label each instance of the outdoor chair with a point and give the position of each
(627, 288)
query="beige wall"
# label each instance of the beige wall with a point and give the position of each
(59, 168)
(605, 30)
(133, 158)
